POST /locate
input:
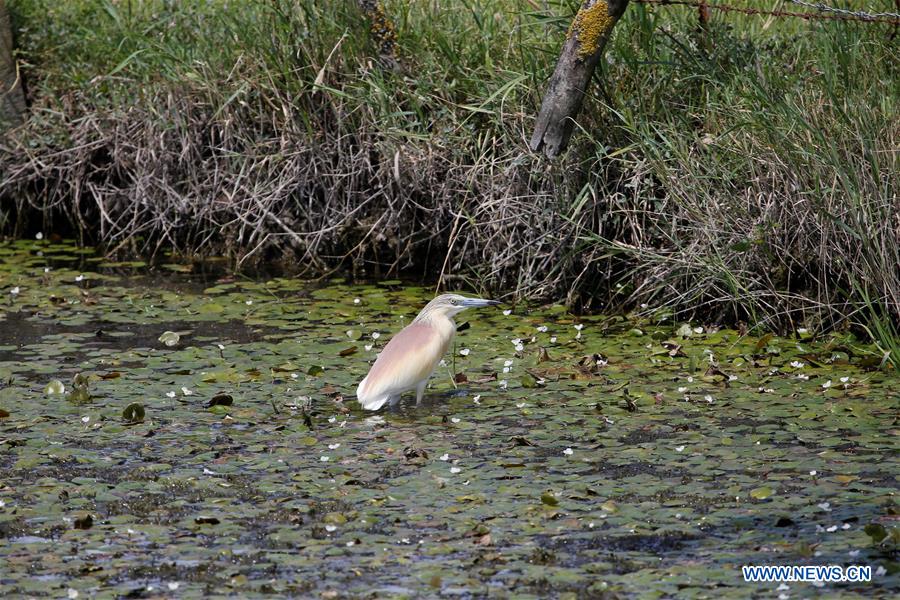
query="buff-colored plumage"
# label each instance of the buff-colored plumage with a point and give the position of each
(410, 357)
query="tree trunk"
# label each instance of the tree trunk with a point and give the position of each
(12, 100)
(582, 51)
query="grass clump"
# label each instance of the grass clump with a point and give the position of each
(746, 170)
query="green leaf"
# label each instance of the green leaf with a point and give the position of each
(79, 395)
(763, 341)
(126, 61)
(210, 308)
(761, 493)
(133, 413)
(609, 506)
(876, 531)
(55, 387)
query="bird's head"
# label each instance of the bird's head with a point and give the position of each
(450, 305)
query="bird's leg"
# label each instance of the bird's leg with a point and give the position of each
(393, 399)
(420, 391)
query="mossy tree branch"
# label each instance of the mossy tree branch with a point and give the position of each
(383, 31)
(583, 49)
(12, 100)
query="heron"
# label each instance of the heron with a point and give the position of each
(410, 357)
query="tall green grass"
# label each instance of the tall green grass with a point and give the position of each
(743, 171)
(778, 156)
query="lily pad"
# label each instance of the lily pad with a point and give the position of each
(55, 387)
(133, 413)
(170, 338)
(761, 493)
(549, 499)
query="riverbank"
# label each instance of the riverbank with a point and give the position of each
(747, 171)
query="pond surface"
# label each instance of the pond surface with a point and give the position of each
(573, 457)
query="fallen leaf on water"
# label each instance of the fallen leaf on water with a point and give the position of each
(520, 440)
(411, 453)
(220, 400)
(83, 522)
(485, 378)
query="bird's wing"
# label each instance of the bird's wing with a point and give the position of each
(407, 359)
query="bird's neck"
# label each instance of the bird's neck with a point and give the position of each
(443, 323)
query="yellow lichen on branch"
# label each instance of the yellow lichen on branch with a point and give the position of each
(382, 28)
(591, 24)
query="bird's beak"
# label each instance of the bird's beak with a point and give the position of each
(477, 302)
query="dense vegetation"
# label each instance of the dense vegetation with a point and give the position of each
(743, 171)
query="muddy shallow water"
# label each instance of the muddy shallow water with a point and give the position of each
(579, 457)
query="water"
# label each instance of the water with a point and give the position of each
(633, 463)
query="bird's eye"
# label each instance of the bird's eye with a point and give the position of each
(454, 301)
